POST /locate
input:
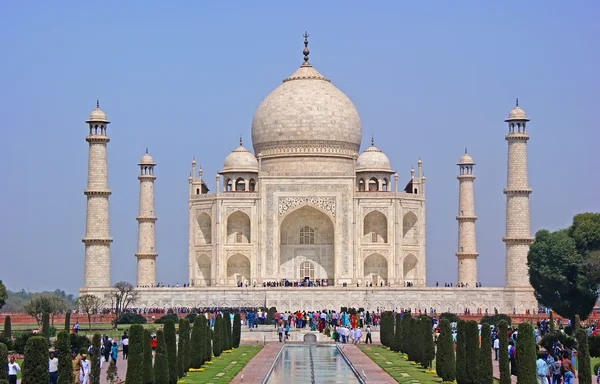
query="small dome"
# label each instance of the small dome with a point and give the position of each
(97, 115)
(240, 160)
(373, 160)
(466, 159)
(517, 114)
(147, 160)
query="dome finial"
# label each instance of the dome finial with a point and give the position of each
(97, 103)
(372, 141)
(306, 51)
(465, 150)
(241, 144)
(146, 149)
(517, 102)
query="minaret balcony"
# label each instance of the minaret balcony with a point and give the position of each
(467, 255)
(146, 177)
(91, 241)
(517, 137)
(92, 192)
(517, 191)
(518, 240)
(146, 255)
(97, 139)
(146, 219)
(466, 218)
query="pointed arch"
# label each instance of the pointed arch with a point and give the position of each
(410, 229)
(204, 229)
(376, 269)
(361, 185)
(203, 277)
(252, 185)
(238, 228)
(238, 269)
(375, 228)
(240, 185)
(373, 184)
(410, 268)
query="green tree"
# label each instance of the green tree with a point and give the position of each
(472, 352)
(414, 349)
(94, 360)
(161, 362)
(3, 357)
(208, 345)
(237, 330)
(486, 369)
(171, 340)
(583, 358)
(197, 342)
(398, 333)
(461, 353)
(135, 359)
(148, 377)
(68, 321)
(428, 350)
(184, 338)
(383, 329)
(112, 373)
(218, 336)
(226, 329)
(90, 305)
(564, 266)
(7, 328)
(63, 349)
(403, 332)
(35, 362)
(503, 359)
(46, 325)
(526, 355)
(445, 361)
(3, 294)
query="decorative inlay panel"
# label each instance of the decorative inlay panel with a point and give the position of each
(368, 252)
(367, 210)
(287, 204)
(245, 252)
(230, 210)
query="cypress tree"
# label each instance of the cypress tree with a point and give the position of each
(46, 325)
(188, 347)
(135, 360)
(94, 359)
(197, 342)
(237, 330)
(583, 358)
(7, 328)
(428, 349)
(526, 355)
(486, 369)
(228, 332)
(161, 362)
(68, 321)
(208, 346)
(218, 336)
(63, 353)
(504, 361)
(403, 332)
(3, 357)
(398, 333)
(417, 348)
(461, 353)
(472, 352)
(148, 376)
(35, 362)
(445, 362)
(171, 341)
(183, 339)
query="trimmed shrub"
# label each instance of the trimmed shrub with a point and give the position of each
(594, 344)
(472, 352)
(526, 355)
(461, 353)
(35, 362)
(168, 316)
(486, 368)
(148, 376)
(79, 342)
(197, 342)
(413, 332)
(496, 319)
(583, 358)
(4, 366)
(226, 331)
(218, 336)
(403, 332)
(7, 328)
(398, 333)
(428, 347)
(68, 321)
(131, 318)
(46, 325)
(63, 353)
(191, 316)
(237, 331)
(549, 339)
(20, 341)
(94, 360)
(596, 367)
(271, 314)
(184, 338)
(171, 340)
(161, 362)
(445, 361)
(208, 346)
(135, 359)
(504, 361)
(451, 317)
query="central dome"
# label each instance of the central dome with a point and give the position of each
(306, 114)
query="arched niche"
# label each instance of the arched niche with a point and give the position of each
(238, 228)
(410, 232)
(410, 268)
(376, 269)
(204, 229)
(373, 184)
(375, 228)
(203, 277)
(238, 269)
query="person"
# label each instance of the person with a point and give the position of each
(280, 332)
(287, 331)
(107, 345)
(153, 343)
(53, 368)
(125, 344)
(84, 371)
(496, 347)
(598, 376)
(368, 339)
(568, 369)
(76, 326)
(75, 366)
(556, 370)
(357, 335)
(114, 351)
(512, 355)
(541, 368)
(13, 368)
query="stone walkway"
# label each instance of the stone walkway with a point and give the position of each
(367, 368)
(514, 378)
(258, 367)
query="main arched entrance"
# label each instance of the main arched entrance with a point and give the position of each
(306, 246)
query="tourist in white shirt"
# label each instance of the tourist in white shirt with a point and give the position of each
(84, 371)
(13, 368)
(357, 335)
(53, 368)
(496, 347)
(352, 332)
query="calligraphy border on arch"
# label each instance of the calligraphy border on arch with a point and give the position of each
(273, 205)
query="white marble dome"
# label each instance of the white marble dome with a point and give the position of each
(97, 115)
(373, 160)
(466, 159)
(307, 110)
(517, 114)
(240, 160)
(146, 159)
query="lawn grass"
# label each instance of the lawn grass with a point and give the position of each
(223, 368)
(402, 370)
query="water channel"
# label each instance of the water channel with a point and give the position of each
(311, 364)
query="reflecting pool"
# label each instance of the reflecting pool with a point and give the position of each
(311, 364)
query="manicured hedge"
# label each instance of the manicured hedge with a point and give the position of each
(148, 376)
(584, 370)
(161, 360)
(197, 342)
(94, 361)
(472, 352)
(131, 318)
(3, 357)
(135, 359)
(35, 362)
(486, 369)
(237, 331)
(526, 355)
(445, 361)
(171, 340)
(461, 353)
(168, 316)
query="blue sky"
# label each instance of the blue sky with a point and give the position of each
(184, 80)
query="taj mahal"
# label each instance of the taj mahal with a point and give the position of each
(307, 207)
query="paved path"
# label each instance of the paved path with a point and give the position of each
(514, 378)
(121, 369)
(258, 367)
(367, 368)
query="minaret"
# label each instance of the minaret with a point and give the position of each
(467, 245)
(146, 251)
(518, 237)
(97, 235)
